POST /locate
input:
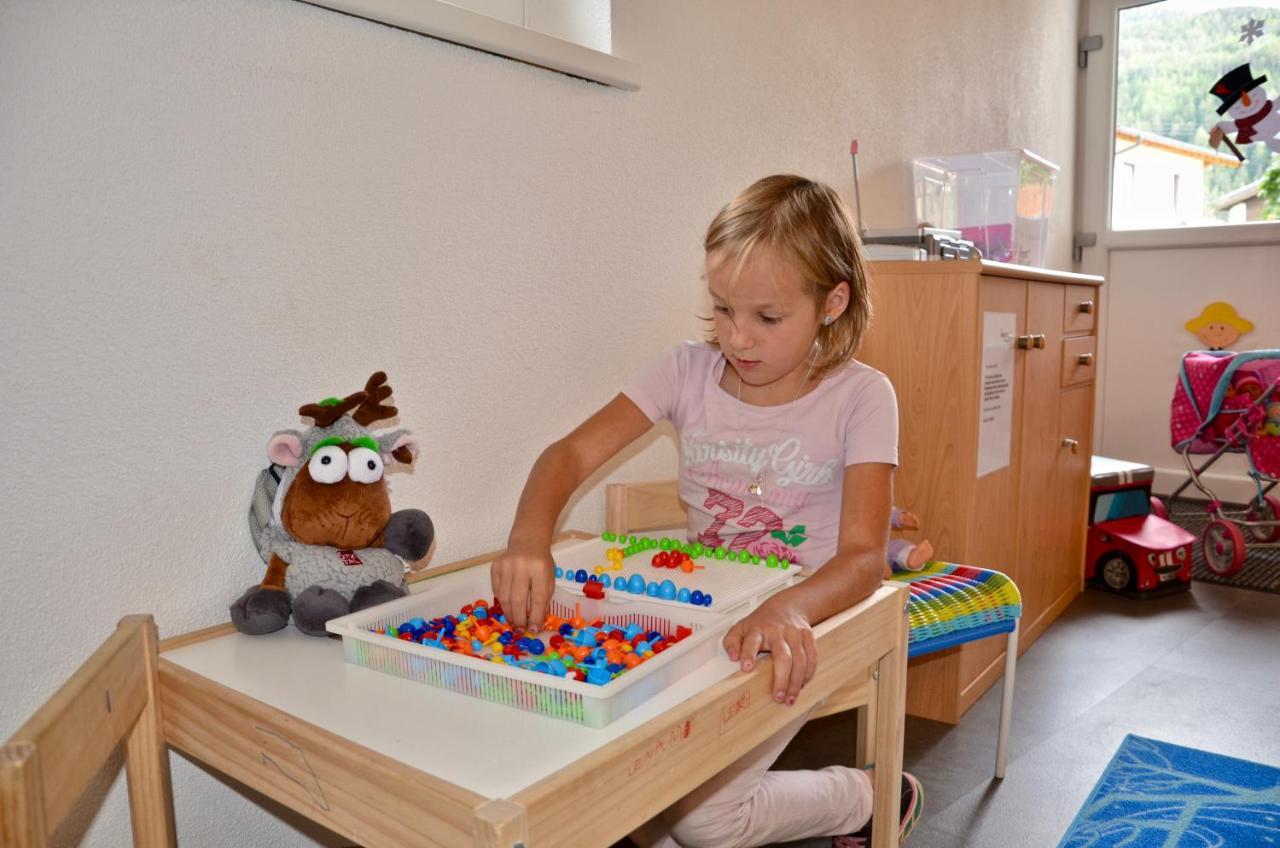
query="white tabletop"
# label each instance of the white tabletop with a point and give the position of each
(452, 736)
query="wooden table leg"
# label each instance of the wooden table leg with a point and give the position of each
(864, 747)
(890, 709)
(501, 824)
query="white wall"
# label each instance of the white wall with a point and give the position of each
(1149, 296)
(211, 213)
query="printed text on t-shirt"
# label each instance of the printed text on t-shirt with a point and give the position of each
(784, 458)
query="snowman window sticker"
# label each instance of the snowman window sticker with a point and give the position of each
(1251, 114)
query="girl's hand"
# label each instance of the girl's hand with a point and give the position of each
(779, 629)
(523, 580)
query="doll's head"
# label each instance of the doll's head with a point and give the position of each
(798, 235)
(1219, 326)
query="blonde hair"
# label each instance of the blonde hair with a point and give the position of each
(807, 225)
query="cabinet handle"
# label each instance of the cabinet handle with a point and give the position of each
(1085, 359)
(1032, 341)
(1085, 307)
(1071, 443)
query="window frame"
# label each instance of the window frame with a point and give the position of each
(1098, 127)
(447, 22)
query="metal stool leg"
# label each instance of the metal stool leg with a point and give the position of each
(1006, 701)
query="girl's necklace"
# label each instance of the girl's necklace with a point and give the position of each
(756, 486)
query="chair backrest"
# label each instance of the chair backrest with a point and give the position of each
(637, 507)
(48, 764)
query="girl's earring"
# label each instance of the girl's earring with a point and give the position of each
(826, 320)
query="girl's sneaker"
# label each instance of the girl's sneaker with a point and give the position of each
(912, 806)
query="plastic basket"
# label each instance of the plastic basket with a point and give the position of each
(570, 700)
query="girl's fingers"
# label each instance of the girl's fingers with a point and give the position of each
(750, 647)
(811, 655)
(733, 642)
(517, 612)
(500, 577)
(783, 662)
(799, 672)
(539, 600)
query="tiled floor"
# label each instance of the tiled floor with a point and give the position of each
(1200, 669)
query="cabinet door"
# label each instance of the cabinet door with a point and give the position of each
(1042, 530)
(1075, 418)
(995, 502)
(994, 540)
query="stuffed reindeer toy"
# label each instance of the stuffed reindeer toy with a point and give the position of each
(322, 521)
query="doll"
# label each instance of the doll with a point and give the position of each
(904, 555)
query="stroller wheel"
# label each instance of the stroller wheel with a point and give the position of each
(1223, 548)
(1265, 508)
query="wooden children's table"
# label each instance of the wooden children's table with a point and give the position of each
(389, 762)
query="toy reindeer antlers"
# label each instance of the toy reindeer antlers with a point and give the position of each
(330, 410)
(371, 408)
(367, 404)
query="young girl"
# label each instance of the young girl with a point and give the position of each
(788, 446)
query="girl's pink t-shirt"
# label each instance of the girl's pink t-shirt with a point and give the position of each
(801, 450)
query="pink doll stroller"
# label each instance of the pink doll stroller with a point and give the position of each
(1230, 403)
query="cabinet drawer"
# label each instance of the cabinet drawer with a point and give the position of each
(1079, 308)
(1079, 360)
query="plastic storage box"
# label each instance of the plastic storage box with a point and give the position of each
(1001, 201)
(583, 703)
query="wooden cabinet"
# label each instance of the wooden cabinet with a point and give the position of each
(1027, 518)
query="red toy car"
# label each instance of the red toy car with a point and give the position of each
(1131, 546)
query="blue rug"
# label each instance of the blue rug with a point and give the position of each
(1157, 795)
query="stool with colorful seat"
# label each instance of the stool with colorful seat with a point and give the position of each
(955, 604)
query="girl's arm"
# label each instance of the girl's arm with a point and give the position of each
(783, 625)
(523, 576)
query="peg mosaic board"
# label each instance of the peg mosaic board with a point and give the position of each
(729, 581)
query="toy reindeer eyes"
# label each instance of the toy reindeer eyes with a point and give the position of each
(328, 465)
(365, 465)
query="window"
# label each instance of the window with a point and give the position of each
(570, 36)
(1195, 80)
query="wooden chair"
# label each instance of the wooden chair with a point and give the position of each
(48, 764)
(950, 605)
